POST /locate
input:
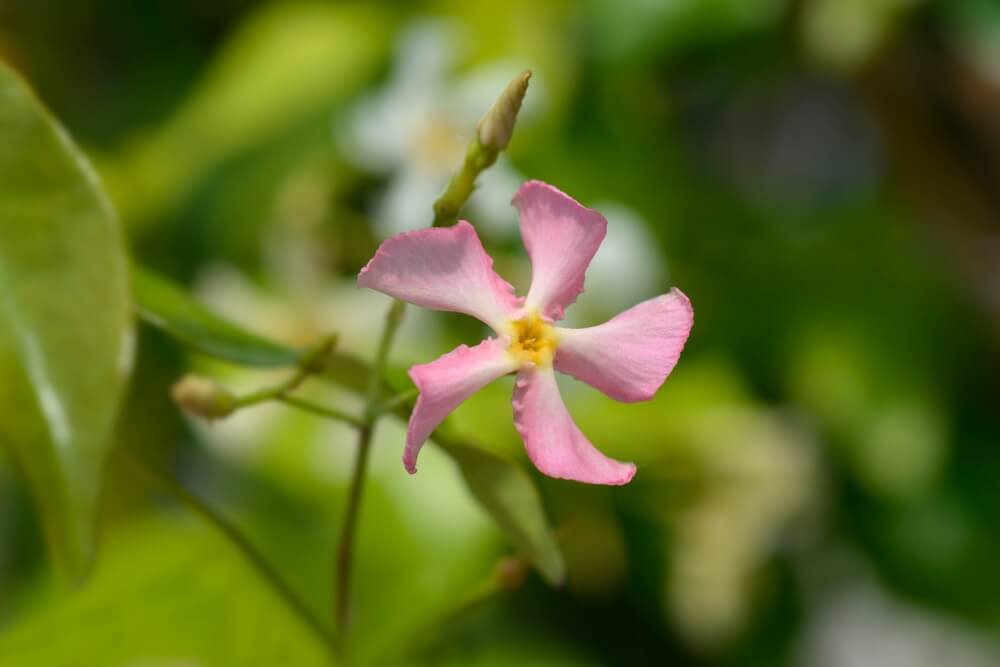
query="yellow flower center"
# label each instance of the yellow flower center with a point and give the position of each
(533, 340)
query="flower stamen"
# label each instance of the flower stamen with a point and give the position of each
(533, 340)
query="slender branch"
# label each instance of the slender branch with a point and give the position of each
(205, 397)
(321, 410)
(176, 490)
(461, 185)
(345, 549)
(312, 363)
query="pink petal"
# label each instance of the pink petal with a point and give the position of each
(561, 237)
(555, 444)
(445, 383)
(443, 268)
(629, 356)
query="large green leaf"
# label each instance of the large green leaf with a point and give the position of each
(65, 319)
(168, 307)
(167, 592)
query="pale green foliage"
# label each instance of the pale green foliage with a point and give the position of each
(65, 319)
(180, 595)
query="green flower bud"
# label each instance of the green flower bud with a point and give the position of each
(203, 397)
(496, 127)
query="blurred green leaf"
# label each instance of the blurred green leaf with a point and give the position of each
(286, 64)
(511, 498)
(199, 602)
(166, 306)
(65, 319)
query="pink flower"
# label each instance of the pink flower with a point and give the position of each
(627, 358)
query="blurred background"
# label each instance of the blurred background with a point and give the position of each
(818, 479)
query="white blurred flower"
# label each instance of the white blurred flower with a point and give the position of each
(757, 476)
(861, 625)
(417, 127)
(844, 34)
(628, 267)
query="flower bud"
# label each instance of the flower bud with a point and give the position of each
(202, 397)
(510, 573)
(497, 125)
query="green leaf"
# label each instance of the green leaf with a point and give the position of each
(169, 591)
(65, 319)
(166, 306)
(285, 65)
(511, 498)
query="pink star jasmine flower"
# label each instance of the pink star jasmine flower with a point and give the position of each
(627, 357)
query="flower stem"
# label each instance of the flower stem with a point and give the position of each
(177, 490)
(312, 363)
(322, 410)
(461, 185)
(345, 548)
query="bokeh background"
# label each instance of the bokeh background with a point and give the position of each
(818, 480)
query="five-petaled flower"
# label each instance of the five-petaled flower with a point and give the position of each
(627, 358)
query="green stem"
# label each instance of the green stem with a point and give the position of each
(322, 410)
(242, 544)
(312, 363)
(345, 548)
(277, 392)
(461, 185)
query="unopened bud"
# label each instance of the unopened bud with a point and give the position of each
(203, 397)
(496, 127)
(510, 573)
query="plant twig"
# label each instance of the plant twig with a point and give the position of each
(312, 363)
(345, 548)
(321, 410)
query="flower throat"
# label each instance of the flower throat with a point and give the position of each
(533, 340)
